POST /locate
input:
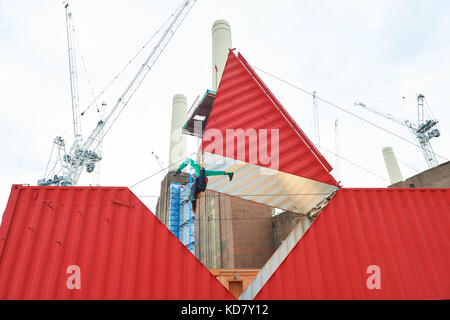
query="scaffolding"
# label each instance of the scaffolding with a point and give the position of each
(182, 218)
(174, 211)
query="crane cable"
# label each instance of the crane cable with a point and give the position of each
(163, 169)
(428, 110)
(354, 163)
(49, 160)
(139, 83)
(345, 159)
(83, 62)
(254, 195)
(129, 62)
(346, 111)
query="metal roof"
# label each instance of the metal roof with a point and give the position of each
(199, 112)
(244, 102)
(122, 250)
(402, 232)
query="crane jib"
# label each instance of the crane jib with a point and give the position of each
(84, 155)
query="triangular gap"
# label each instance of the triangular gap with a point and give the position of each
(282, 251)
(229, 209)
(234, 113)
(286, 246)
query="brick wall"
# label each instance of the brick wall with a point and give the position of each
(253, 239)
(437, 177)
(285, 222)
(232, 233)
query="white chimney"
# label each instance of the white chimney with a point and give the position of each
(221, 43)
(391, 165)
(178, 143)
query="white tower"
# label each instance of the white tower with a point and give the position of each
(221, 43)
(391, 165)
(178, 143)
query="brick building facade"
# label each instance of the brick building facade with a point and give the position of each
(230, 232)
(437, 177)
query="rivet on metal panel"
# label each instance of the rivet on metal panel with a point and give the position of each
(30, 228)
(107, 220)
(59, 242)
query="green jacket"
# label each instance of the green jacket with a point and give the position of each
(197, 167)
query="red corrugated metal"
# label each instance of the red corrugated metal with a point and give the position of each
(122, 249)
(403, 231)
(243, 101)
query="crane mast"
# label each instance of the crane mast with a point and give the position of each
(425, 132)
(73, 74)
(422, 132)
(82, 154)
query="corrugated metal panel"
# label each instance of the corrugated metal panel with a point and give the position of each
(404, 232)
(270, 187)
(244, 102)
(123, 251)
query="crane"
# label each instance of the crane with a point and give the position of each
(155, 156)
(82, 153)
(73, 74)
(423, 132)
(100, 145)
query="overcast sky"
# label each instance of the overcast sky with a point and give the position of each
(347, 50)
